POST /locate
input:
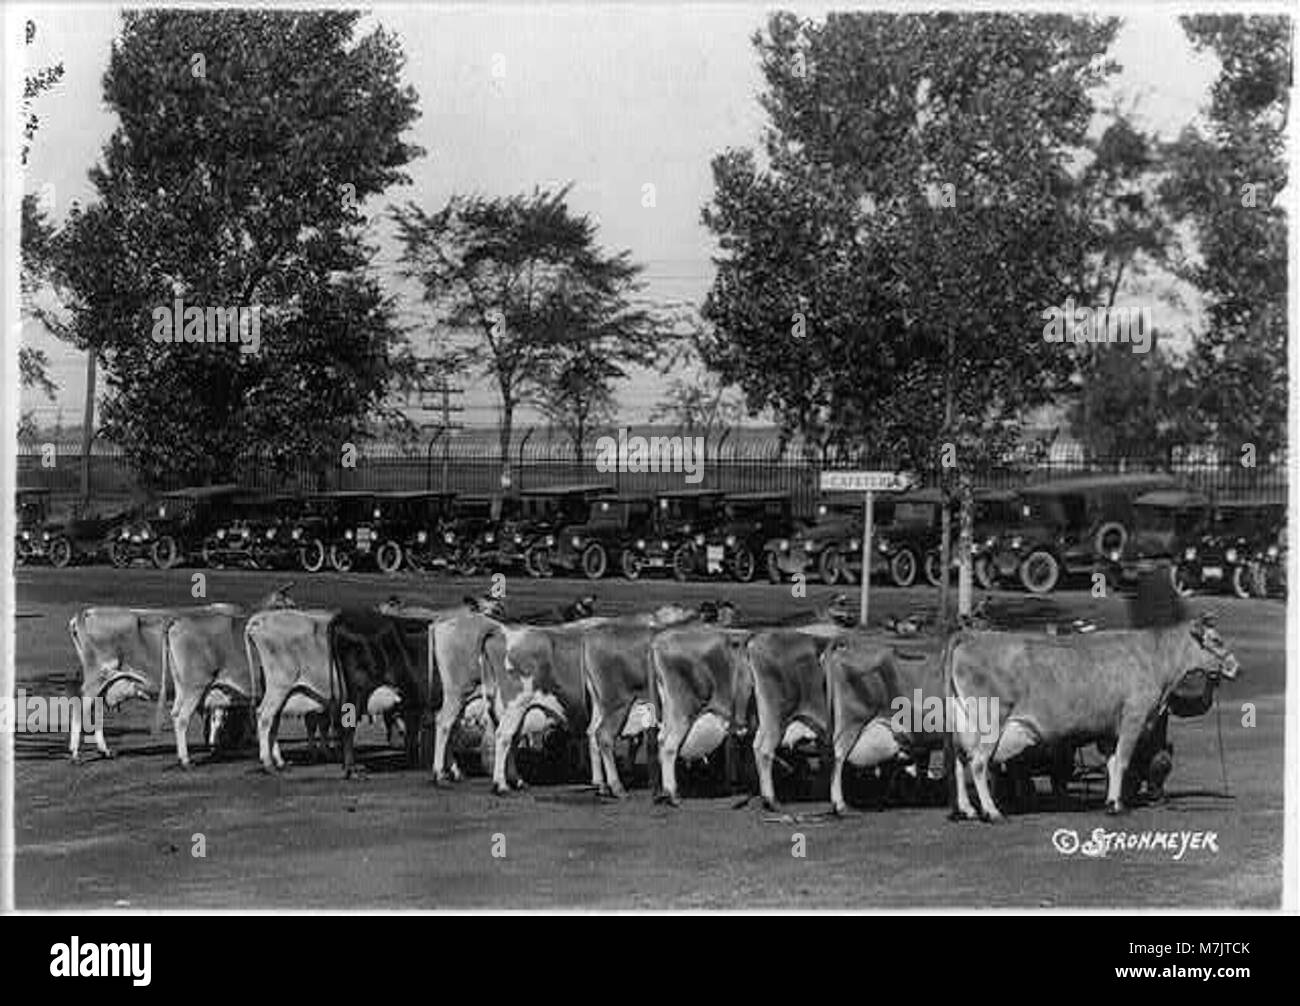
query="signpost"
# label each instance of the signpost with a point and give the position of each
(867, 483)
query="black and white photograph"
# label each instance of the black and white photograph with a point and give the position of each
(648, 457)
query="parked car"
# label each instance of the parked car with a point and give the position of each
(31, 527)
(912, 537)
(735, 545)
(470, 534)
(680, 521)
(411, 530)
(313, 528)
(352, 527)
(613, 527)
(830, 544)
(1239, 533)
(1167, 525)
(1268, 570)
(258, 533)
(83, 537)
(527, 539)
(994, 510)
(1070, 527)
(173, 528)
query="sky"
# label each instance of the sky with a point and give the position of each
(610, 98)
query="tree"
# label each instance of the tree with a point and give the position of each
(548, 312)
(699, 402)
(36, 235)
(247, 142)
(1224, 181)
(881, 283)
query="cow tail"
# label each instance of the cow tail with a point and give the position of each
(949, 743)
(78, 678)
(160, 707)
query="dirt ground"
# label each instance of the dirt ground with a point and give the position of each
(122, 832)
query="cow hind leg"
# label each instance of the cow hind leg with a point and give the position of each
(603, 740)
(268, 729)
(182, 712)
(507, 728)
(74, 732)
(765, 744)
(980, 761)
(1117, 765)
(669, 745)
(964, 809)
(442, 727)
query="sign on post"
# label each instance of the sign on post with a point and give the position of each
(867, 483)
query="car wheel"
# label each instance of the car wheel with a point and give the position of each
(1039, 572)
(830, 566)
(594, 561)
(60, 552)
(683, 562)
(165, 552)
(1180, 580)
(341, 559)
(631, 563)
(117, 555)
(1111, 537)
(773, 568)
(932, 563)
(208, 559)
(742, 566)
(984, 574)
(537, 561)
(902, 568)
(311, 557)
(1241, 581)
(389, 557)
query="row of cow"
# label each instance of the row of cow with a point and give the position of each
(691, 679)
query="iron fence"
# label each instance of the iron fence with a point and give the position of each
(472, 464)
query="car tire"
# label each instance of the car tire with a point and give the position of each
(117, 555)
(389, 557)
(933, 560)
(341, 560)
(594, 561)
(1259, 585)
(984, 574)
(743, 565)
(208, 560)
(537, 561)
(1111, 537)
(683, 563)
(631, 563)
(61, 553)
(773, 567)
(830, 567)
(1180, 580)
(165, 552)
(1241, 581)
(312, 556)
(903, 568)
(1040, 571)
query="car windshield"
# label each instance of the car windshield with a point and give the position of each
(682, 509)
(30, 513)
(1062, 511)
(914, 513)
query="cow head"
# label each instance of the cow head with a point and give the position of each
(1208, 639)
(279, 598)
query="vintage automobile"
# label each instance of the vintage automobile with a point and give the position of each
(1167, 525)
(912, 537)
(526, 539)
(470, 533)
(995, 511)
(31, 528)
(1070, 527)
(678, 526)
(312, 529)
(1268, 571)
(1238, 535)
(830, 543)
(735, 544)
(83, 537)
(173, 528)
(353, 521)
(411, 530)
(258, 534)
(614, 525)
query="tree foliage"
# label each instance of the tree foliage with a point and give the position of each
(881, 276)
(550, 315)
(247, 142)
(1224, 180)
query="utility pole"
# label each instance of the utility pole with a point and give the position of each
(439, 398)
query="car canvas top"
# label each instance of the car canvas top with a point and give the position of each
(205, 492)
(575, 489)
(1092, 483)
(1172, 498)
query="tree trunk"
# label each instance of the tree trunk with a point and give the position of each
(964, 542)
(507, 429)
